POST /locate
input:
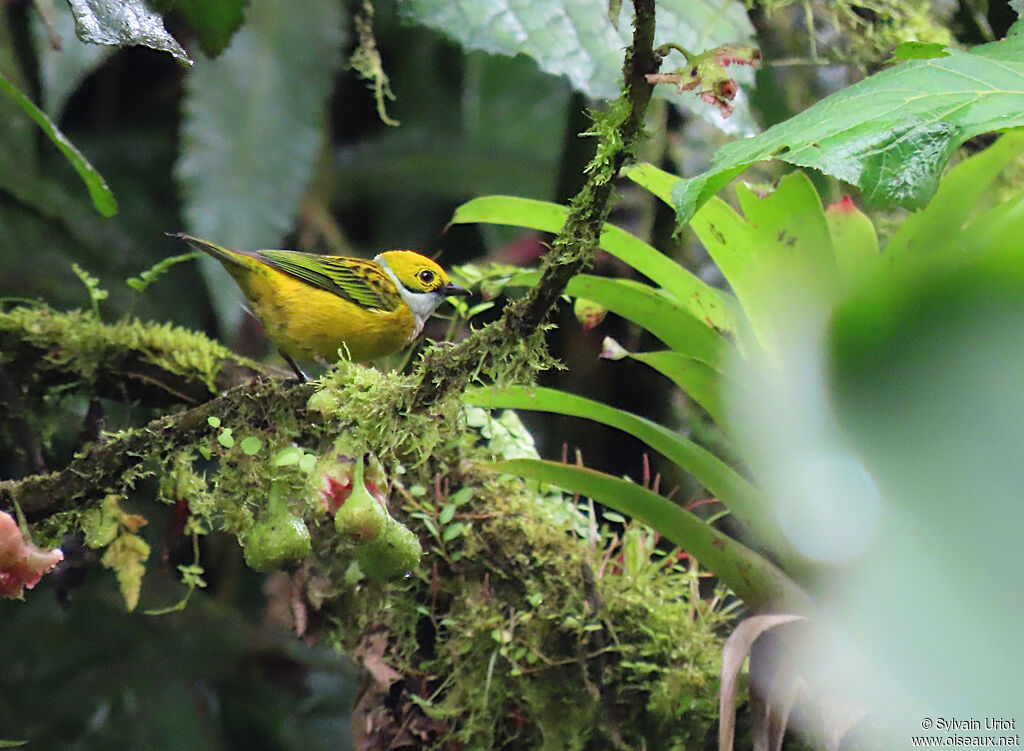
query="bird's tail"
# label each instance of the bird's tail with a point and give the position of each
(230, 258)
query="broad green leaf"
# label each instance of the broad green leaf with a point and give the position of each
(940, 222)
(737, 494)
(253, 126)
(890, 134)
(706, 303)
(101, 196)
(124, 23)
(760, 584)
(575, 38)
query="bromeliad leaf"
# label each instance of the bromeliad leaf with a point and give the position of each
(711, 305)
(761, 585)
(891, 134)
(745, 501)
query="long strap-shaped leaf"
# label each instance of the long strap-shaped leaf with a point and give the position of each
(761, 585)
(649, 308)
(742, 498)
(707, 304)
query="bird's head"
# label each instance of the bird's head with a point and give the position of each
(422, 283)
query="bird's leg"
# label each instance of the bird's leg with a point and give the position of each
(303, 378)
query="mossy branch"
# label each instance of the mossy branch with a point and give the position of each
(108, 466)
(506, 349)
(156, 365)
(619, 130)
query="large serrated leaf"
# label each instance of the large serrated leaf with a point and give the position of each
(575, 38)
(253, 125)
(124, 23)
(891, 134)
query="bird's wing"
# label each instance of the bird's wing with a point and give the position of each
(354, 279)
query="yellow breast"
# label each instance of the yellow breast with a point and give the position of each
(308, 323)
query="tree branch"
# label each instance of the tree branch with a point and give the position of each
(619, 131)
(443, 370)
(109, 466)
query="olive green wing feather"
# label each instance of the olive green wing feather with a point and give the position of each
(354, 279)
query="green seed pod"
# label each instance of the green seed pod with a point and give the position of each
(277, 538)
(395, 552)
(361, 516)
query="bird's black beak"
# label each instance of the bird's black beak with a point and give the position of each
(453, 290)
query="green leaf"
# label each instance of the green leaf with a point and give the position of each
(654, 179)
(705, 302)
(124, 23)
(695, 378)
(924, 381)
(214, 21)
(755, 580)
(447, 513)
(854, 239)
(101, 196)
(744, 500)
(575, 38)
(940, 223)
(92, 284)
(918, 51)
(142, 281)
(890, 134)
(649, 308)
(250, 445)
(253, 126)
(287, 456)
(452, 531)
(783, 239)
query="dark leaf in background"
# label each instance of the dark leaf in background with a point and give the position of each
(214, 21)
(253, 125)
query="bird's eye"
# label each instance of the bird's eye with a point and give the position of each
(426, 276)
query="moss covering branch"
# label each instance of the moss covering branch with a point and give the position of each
(157, 365)
(115, 465)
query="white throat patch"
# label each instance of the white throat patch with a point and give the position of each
(421, 304)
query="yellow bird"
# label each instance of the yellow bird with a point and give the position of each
(313, 305)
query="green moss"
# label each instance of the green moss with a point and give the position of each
(518, 629)
(79, 342)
